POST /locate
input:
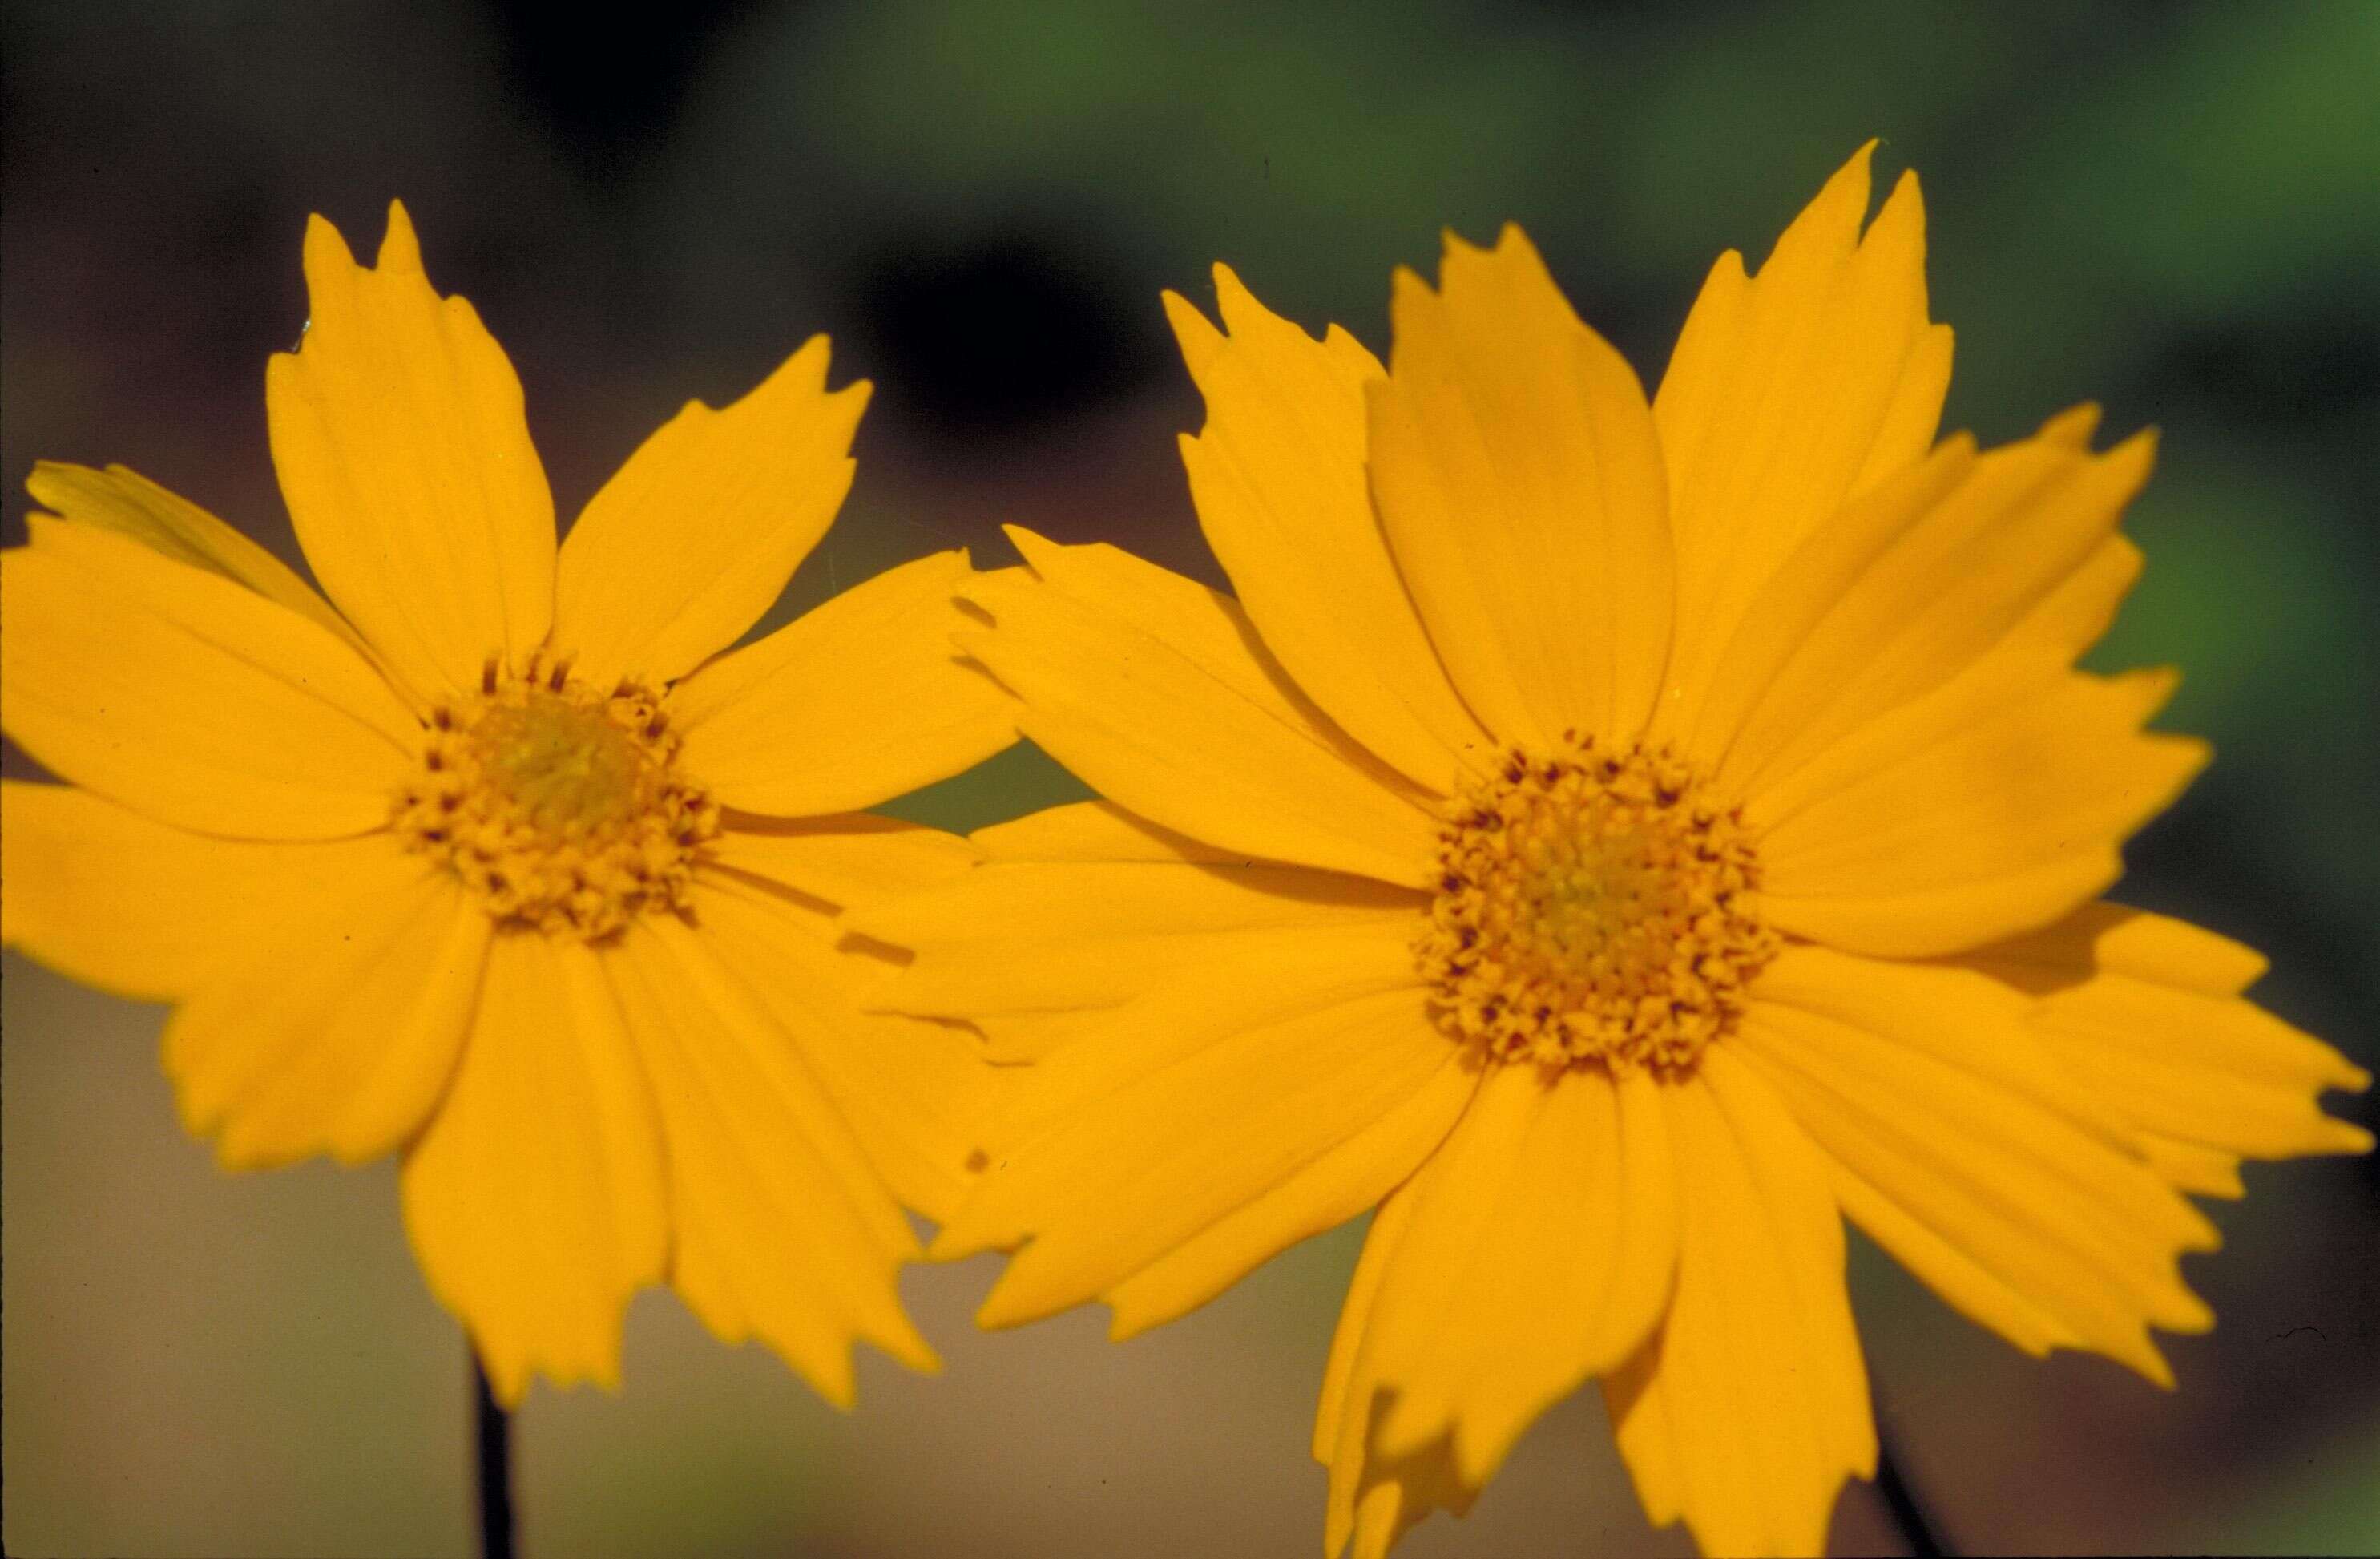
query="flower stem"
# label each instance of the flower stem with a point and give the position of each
(492, 1437)
(1909, 1518)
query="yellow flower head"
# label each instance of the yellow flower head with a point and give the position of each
(1611, 843)
(499, 858)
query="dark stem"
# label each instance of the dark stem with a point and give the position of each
(1909, 1518)
(492, 1437)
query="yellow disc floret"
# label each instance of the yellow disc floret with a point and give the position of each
(561, 806)
(1593, 908)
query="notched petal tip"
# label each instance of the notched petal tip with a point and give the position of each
(1860, 164)
(1239, 309)
(325, 253)
(50, 481)
(2072, 426)
(2344, 1137)
(1002, 1310)
(1408, 286)
(1034, 547)
(2134, 458)
(1452, 243)
(1512, 238)
(400, 246)
(1194, 333)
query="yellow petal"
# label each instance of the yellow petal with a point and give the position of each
(2146, 946)
(846, 858)
(189, 697)
(687, 545)
(1749, 1407)
(1336, 1186)
(1087, 830)
(1914, 413)
(130, 504)
(1277, 476)
(855, 702)
(1789, 391)
(785, 1231)
(2145, 1008)
(1910, 587)
(1196, 1100)
(1034, 936)
(1155, 692)
(1540, 1254)
(150, 912)
(535, 1200)
(405, 456)
(1344, 1384)
(1173, 1150)
(2004, 776)
(916, 1093)
(1949, 918)
(1900, 536)
(336, 1031)
(1520, 484)
(1927, 1086)
(968, 973)
(1084, 834)
(1807, 585)
(1374, 1500)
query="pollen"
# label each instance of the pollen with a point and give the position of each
(1593, 908)
(560, 805)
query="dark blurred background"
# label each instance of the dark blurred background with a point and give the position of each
(2171, 208)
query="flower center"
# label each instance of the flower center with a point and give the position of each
(561, 807)
(1592, 908)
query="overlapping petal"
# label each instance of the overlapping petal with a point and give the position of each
(1329, 1191)
(143, 910)
(1041, 944)
(1993, 808)
(130, 504)
(1157, 691)
(1278, 474)
(1198, 1099)
(536, 1198)
(338, 1031)
(1054, 937)
(2148, 1011)
(404, 452)
(782, 1228)
(1093, 831)
(686, 547)
(1965, 1147)
(1788, 393)
(1374, 1500)
(1748, 1409)
(850, 704)
(916, 1093)
(843, 859)
(1539, 1253)
(189, 697)
(1908, 589)
(1518, 482)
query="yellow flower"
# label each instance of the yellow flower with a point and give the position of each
(495, 859)
(1611, 843)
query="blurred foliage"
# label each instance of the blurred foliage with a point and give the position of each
(2173, 208)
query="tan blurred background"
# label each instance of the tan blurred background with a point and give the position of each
(2168, 207)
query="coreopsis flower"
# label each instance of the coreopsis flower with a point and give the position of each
(500, 858)
(1611, 843)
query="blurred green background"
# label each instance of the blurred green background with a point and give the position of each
(2171, 208)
